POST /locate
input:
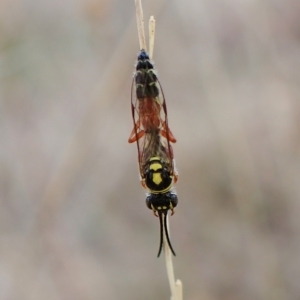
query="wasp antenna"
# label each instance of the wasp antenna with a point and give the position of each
(165, 215)
(161, 233)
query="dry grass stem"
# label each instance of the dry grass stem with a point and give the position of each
(140, 24)
(151, 36)
(176, 288)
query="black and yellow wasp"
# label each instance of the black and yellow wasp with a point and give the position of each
(153, 137)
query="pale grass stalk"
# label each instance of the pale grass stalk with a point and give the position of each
(151, 36)
(176, 287)
(178, 290)
(140, 24)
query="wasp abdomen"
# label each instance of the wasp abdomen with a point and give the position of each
(145, 77)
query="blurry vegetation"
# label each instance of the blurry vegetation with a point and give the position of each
(73, 220)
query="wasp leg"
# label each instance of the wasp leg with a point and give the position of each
(175, 177)
(135, 134)
(155, 213)
(172, 209)
(175, 172)
(167, 133)
(143, 183)
(154, 210)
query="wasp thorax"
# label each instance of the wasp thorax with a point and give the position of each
(157, 178)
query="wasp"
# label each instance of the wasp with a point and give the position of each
(153, 137)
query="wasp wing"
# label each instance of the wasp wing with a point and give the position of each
(151, 131)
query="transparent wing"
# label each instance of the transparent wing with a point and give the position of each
(151, 131)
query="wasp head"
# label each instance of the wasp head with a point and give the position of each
(162, 203)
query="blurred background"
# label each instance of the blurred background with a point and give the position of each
(73, 219)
